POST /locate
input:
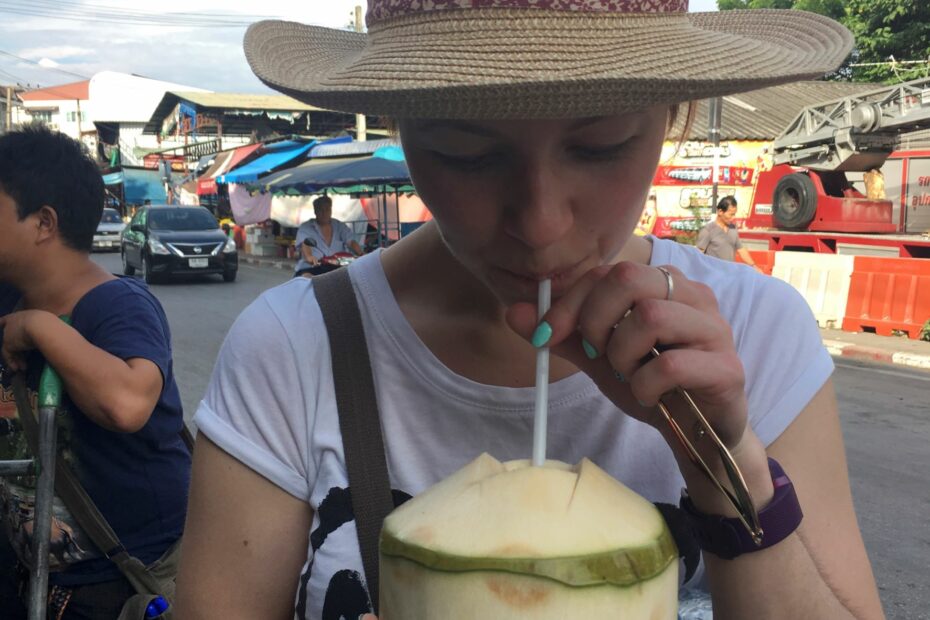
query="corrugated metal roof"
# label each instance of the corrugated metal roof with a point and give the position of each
(763, 114)
(236, 101)
(63, 92)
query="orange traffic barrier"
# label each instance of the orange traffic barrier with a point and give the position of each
(764, 258)
(887, 295)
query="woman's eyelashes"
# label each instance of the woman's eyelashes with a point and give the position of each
(468, 162)
(480, 161)
(608, 152)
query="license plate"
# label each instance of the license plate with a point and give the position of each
(198, 262)
(106, 244)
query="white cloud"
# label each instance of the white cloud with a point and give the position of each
(59, 52)
(209, 57)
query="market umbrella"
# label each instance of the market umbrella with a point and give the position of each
(375, 174)
(367, 173)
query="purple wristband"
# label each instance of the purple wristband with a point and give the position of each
(727, 538)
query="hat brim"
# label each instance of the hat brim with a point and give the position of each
(530, 63)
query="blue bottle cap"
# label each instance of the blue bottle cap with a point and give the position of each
(156, 608)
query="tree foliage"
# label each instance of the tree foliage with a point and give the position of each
(894, 33)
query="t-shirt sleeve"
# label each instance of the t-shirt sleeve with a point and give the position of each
(703, 239)
(301, 234)
(254, 405)
(131, 324)
(783, 356)
(739, 244)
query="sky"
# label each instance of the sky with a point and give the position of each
(189, 42)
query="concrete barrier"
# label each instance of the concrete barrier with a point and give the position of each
(823, 280)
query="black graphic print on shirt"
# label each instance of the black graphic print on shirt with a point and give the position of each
(680, 527)
(346, 595)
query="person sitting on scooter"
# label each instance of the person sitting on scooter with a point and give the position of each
(323, 236)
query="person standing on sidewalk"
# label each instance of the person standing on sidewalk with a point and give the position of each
(720, 238)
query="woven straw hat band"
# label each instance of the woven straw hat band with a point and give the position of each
(381, 10)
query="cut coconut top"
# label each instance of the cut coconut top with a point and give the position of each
(498, 510)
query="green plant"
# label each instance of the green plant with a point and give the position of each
(925, 331)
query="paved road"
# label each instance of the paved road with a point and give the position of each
(885, 415)
(200, 311)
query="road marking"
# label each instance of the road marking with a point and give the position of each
(858, 365)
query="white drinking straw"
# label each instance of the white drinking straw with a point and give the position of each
(542, 382)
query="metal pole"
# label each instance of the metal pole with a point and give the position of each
(50, 388)
(716, 106)
(361, 123)
(42, 521)
(9, 108)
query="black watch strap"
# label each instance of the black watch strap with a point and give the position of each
(727, 538)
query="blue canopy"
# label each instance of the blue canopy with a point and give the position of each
(280, 154)
(346, 147)
(316, 176)
(139, 185)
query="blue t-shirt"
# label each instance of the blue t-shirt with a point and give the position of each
(139, 481)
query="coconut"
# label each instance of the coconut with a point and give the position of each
(509, 540)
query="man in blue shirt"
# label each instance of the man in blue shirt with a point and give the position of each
(122, 419)
(321, 237)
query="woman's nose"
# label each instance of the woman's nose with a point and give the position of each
(540, 211)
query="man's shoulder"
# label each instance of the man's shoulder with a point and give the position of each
(121, 296)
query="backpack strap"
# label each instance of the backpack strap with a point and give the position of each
(79, 503)
(359, 422)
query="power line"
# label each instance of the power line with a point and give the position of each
(100, 13)
(38, 64)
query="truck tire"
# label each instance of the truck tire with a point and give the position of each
(794, 202)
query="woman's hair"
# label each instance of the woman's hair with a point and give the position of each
(725, 203)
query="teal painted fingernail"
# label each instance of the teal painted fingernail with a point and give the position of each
(589, 349)
(542, 335)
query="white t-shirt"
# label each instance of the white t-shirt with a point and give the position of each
(342, 236)
(271, 405)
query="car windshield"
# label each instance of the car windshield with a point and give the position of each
(110, 216)
(181, 219)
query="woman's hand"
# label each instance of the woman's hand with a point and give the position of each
(622, 311)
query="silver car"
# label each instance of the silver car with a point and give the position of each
(108, 230)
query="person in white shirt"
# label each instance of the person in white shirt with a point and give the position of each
(321, 237)
(534, 151)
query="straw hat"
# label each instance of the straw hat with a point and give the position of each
(539, 58)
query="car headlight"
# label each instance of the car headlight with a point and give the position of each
(157, 247)
(230, 246)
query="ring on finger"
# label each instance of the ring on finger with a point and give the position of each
(670, 281)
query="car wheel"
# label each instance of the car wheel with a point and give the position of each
(127, 268)
(230, 276)
(147, 274)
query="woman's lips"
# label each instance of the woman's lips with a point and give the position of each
(561, 278)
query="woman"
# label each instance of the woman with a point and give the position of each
(532, 131)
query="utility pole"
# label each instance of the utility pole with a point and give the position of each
(713, 124)
(8, 117)
(361, 123)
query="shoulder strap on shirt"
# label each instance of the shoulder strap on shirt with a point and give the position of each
(359, 422)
